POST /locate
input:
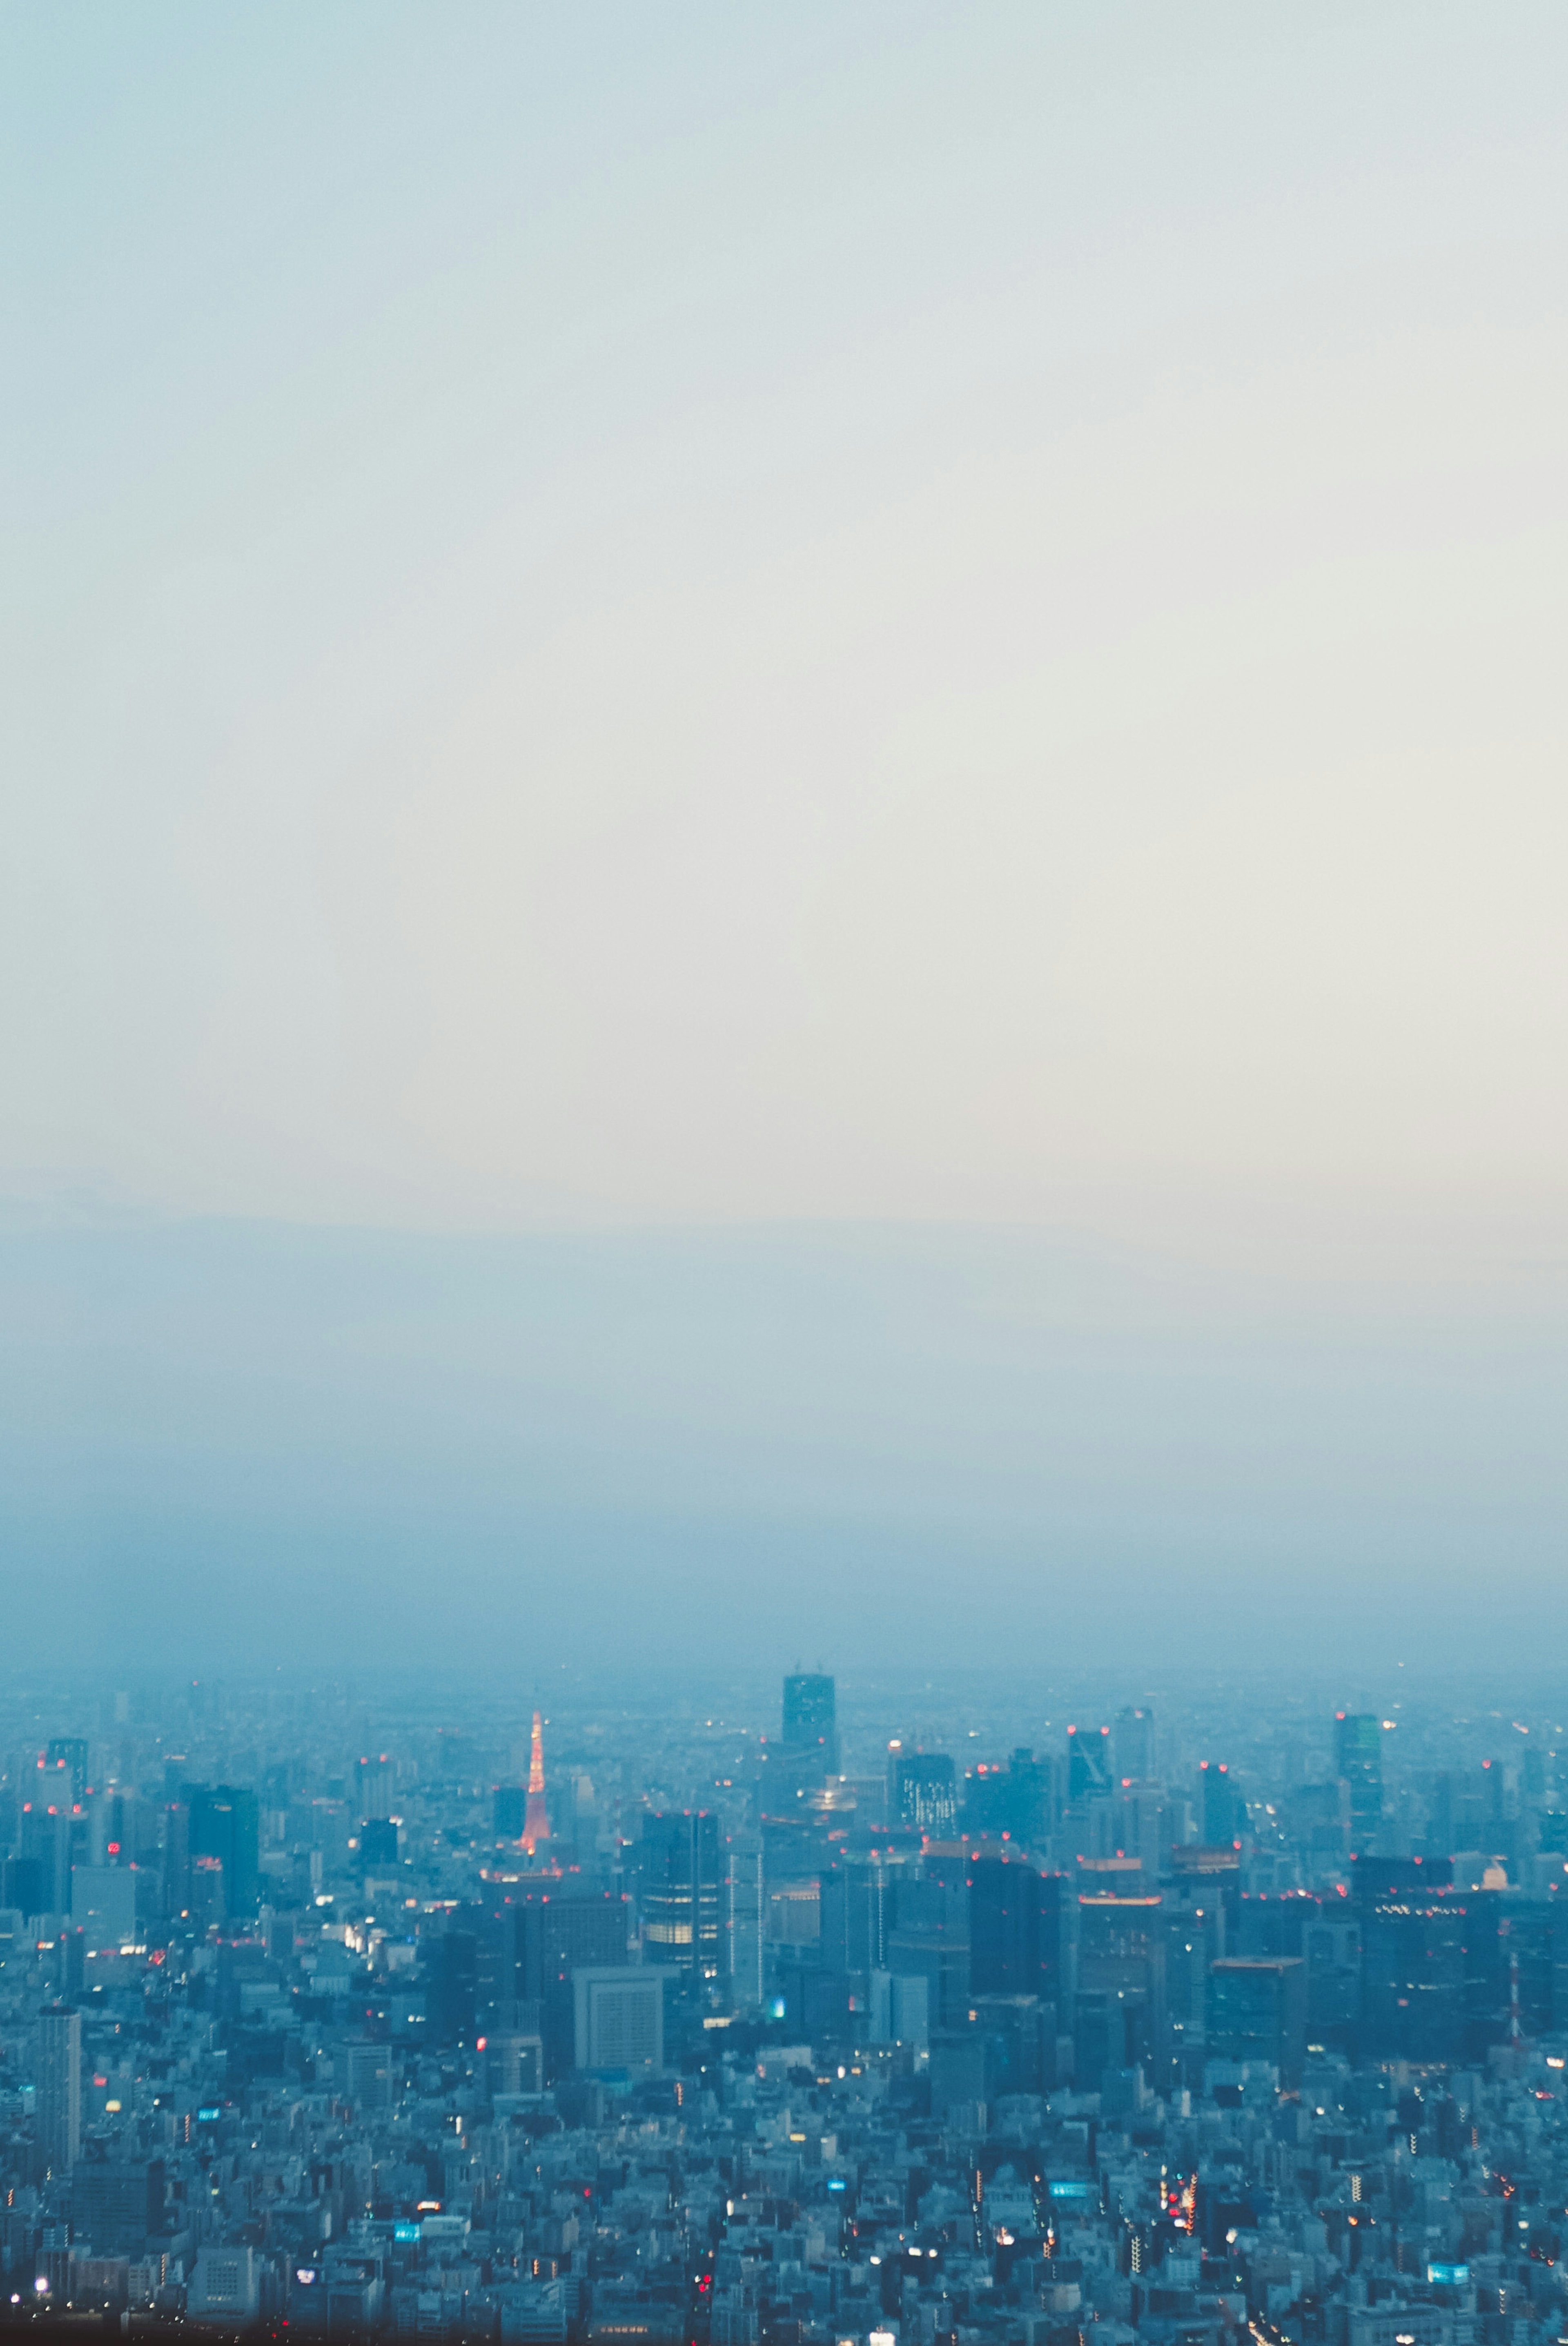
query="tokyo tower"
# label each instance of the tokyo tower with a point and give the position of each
(536, 1823)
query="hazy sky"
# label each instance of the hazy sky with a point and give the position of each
(675, 623)
(731, 613)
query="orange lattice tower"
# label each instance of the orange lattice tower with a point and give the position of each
(536, 1823)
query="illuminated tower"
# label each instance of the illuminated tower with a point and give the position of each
(536, 1823)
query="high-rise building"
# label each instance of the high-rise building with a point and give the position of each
(1088, 1762)
(374, 1786)
(1256, 2010)
(1414, 1943)
(1133, 1745)
(1222, 1812)
(1358, 1762)
(58, 2079)
(176, 1857)
(922, 1793)
(226, 1827)
(509, 1808)
(811, 1718)
(47, 1848)
(1023, 1932)
(680, 1894)
(117, 2205)
(747, 1920)
(619, 2019)
(536, 1819)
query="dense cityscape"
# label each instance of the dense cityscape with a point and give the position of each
(1184, 2025)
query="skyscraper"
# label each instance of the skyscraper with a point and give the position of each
(536, 1823)
(811, 1716)
(679, 1892)
(748, 1919)
(1358, 1762)
(226, 1826)
(922, 1791)
(59, 2084)
(374, 1782)
(1222, 1812)
(1133, 1744)
(1088, 1761)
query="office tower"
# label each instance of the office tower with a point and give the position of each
(1121, 2006)
(451, 1984)
(1256, 2010)
(225, 1831)
(1133, 1745)
(810, 1718)
(931, 1940)
(368, 2077)
(549, 1935)
(1011, 1802)
(508, 1811)
(747, 1920)
(680, 1891)
(67, 1757)
(1023, 1932)
(1088, 1762)
(1414, 1939)
(373, 1787)
(176, 1858)
(1222, 1812)
(619, 2019)
(1358, 1762)
(859, 1910)
(58, 2077)
(46, 1851)
(378, 1842)
(922, 1793)
(537, 1821)
(117, 2205)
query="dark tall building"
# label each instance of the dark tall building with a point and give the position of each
(922, 1793)
(226, 1827)
(452, 1981)
(858, 1909)
(547, 1936)
(1223, 1812)
(1358, 1762)
(176, 1857)
(1011, 1802)
(117, 2207)
(1088, 1761)
(509, 1811)
(1023, 1932)
(1120, 2008)
(1257, 2012)
(1414, 1937)
(377, 1842)
(811, 1716)
(680, 1891)
(46, 1844)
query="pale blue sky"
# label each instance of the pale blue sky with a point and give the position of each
(679, 623)
(710, 614)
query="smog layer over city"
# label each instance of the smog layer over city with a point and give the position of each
(783, 1155)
